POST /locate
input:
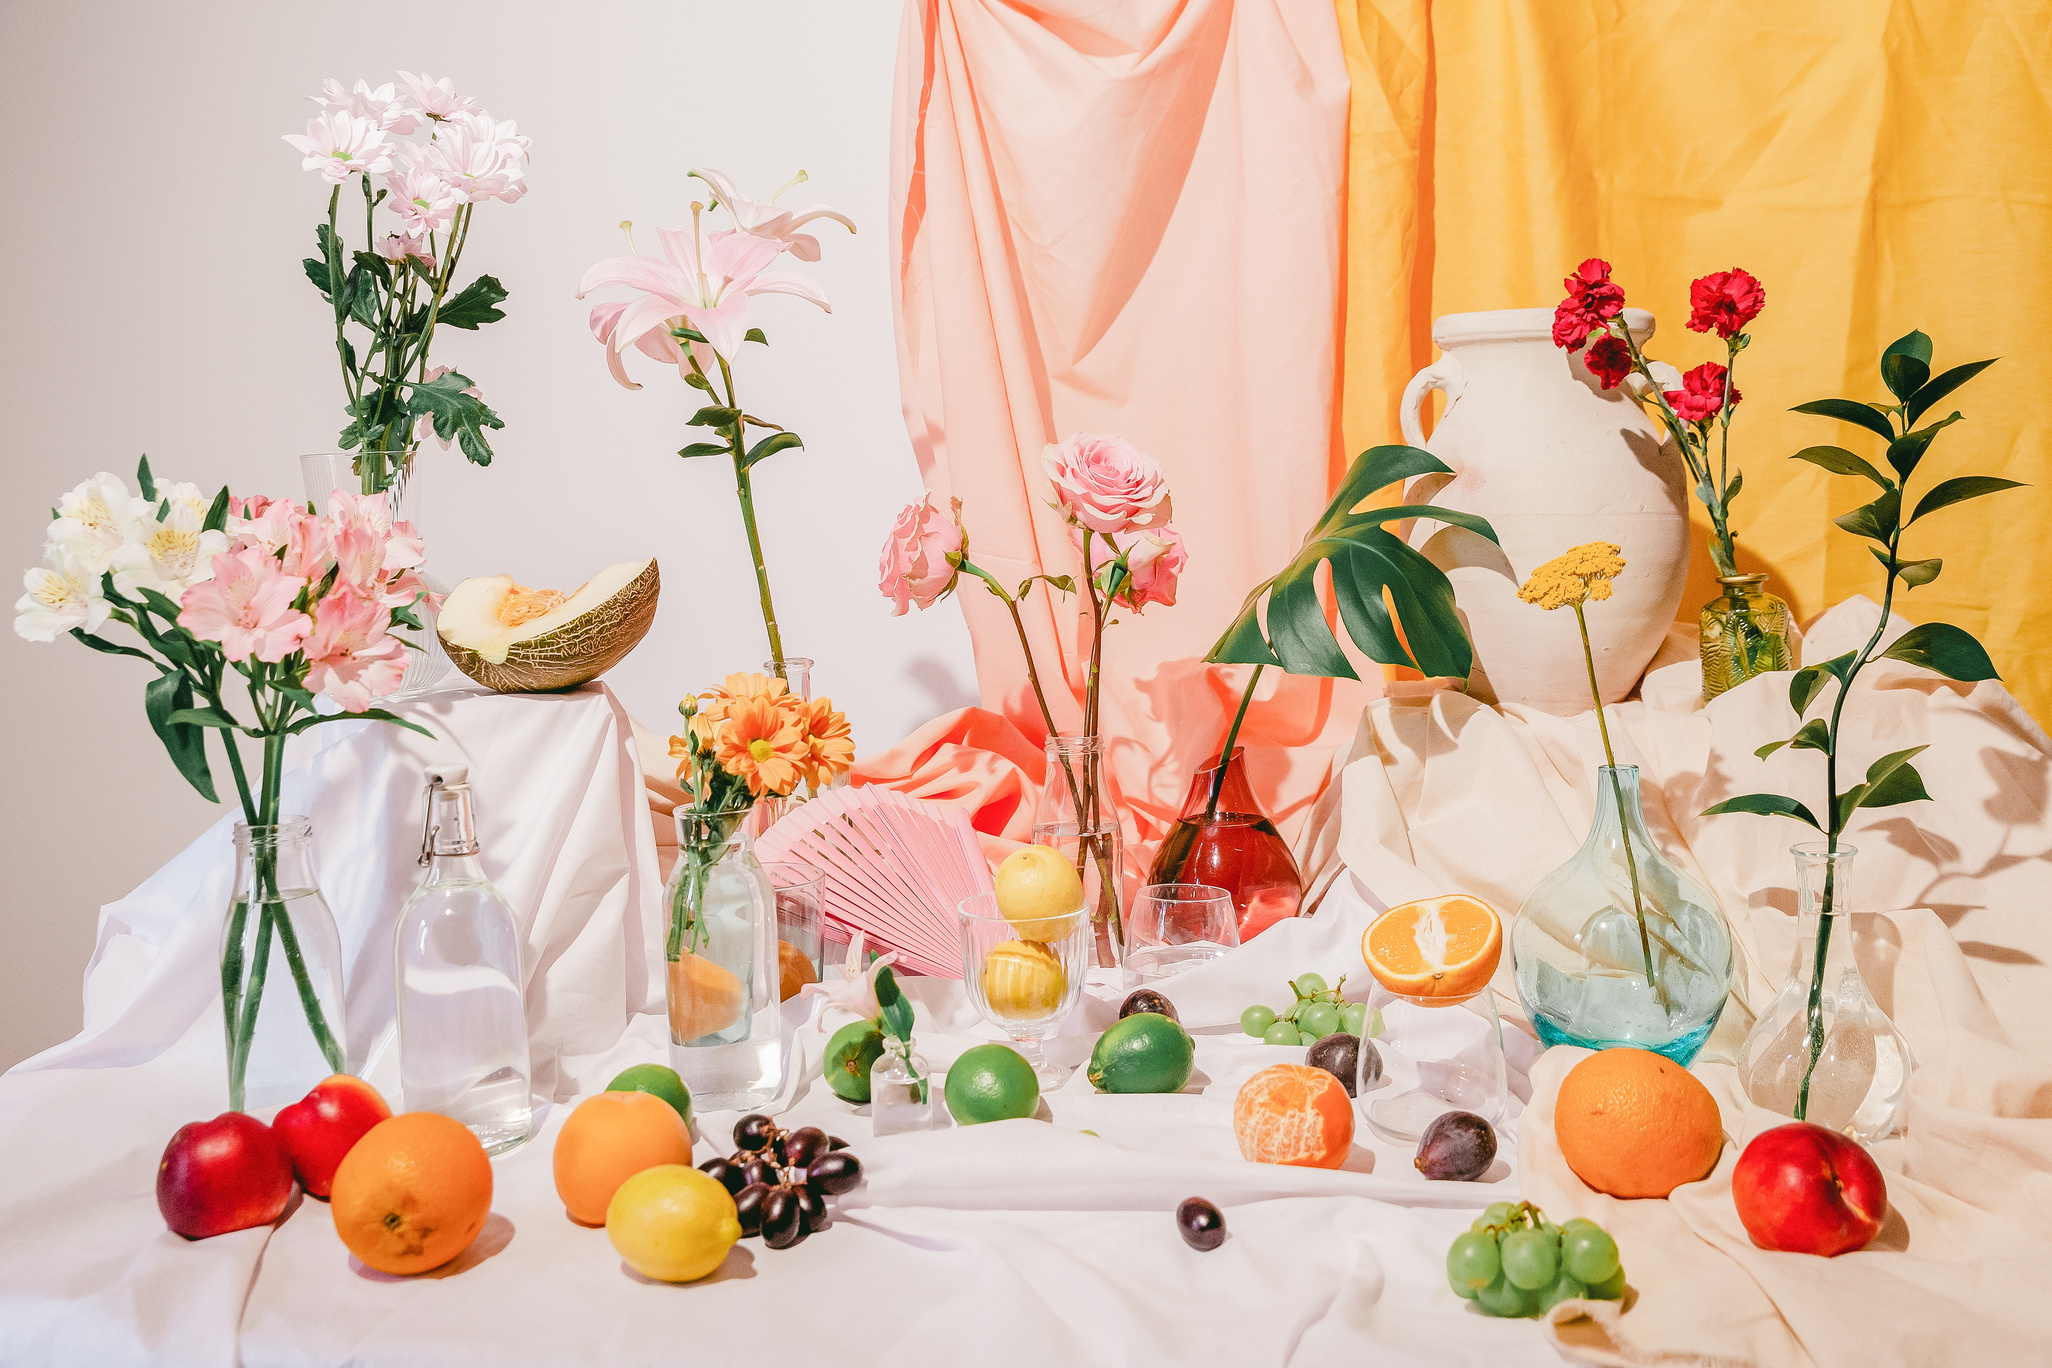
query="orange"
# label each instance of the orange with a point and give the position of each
(1636, 1124)
(1294, 1114)
(609, 1138)
(705, 997)
(1435, 947)
(794, 969)
(412, 1193)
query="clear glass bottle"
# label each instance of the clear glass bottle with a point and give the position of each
(721, 964)
(1076, 816)
(1589, 974)
(281, 970)
(1861, 1082)
(900, 1090)
(456, 966)
(1743, 632)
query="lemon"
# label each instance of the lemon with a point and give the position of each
(1023, 981)
(672, 1223)
(1039, 893)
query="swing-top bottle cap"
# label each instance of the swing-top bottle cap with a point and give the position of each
(448, 775)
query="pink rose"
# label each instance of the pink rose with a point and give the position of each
(1154, 560)
(914, 567)
(1106, 483)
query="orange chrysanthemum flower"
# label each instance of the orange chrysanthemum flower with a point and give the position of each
(763, 744)
(830, 745)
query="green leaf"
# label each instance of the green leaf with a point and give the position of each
(1839, 461)
(106, 647)
(317, 272)
(1847, 411)
(1905, 452)
(770, 446)
(1877, 519)
(1944, 385)
(1959, 489)
(165, 698)
(705, 449)
(1904, 372)
(217, 512)
(1892, 779)
(456, 416)
(697, 381)
(402, 616)
(1765, 805)
(713, 416)
(1944, 648)
(897, 1012)
(1912, 344)
(687, 334)
(472, 307)
(209, 716)
(1815, 735)
(1731, 490)
(361, 290)
(1916, 573)
(367, 715)
(755, 335)
(1807, 683)
(1367, 561)
(1062, 582)
(142, 478)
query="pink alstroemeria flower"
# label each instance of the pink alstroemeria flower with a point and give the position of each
(247, 607)
(401, 548)
(762, 218)
(704, 278)
(339, 145)
(438, 100)
(351, 657)
(309, 550)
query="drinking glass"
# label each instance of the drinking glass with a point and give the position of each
(798, 912)
(1024, 978)
(1438, 1054)
(1178, 926)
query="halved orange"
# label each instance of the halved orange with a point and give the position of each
(1435, 947)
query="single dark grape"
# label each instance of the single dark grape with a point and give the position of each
(804, 1145)
(834, 1172)
(754, 1131)
(813, 1208)
(783, 1221)
(1147, 1000)
(1458, 1146)
(1339, 1054)
(748, 1207)
(760, 1171)
(1201, 1224)
(835, 1142)
(727, 1172)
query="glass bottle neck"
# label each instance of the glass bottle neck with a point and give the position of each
(1617, 793)
(451, 846)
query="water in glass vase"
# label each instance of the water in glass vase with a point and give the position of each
(456, 963)
(1235, 847)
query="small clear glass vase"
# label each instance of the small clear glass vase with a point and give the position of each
(396, 473)
(1743, 632)
(1860, 1084)
(1231, 844)
(1589, 973)
(281, 971)
(1076, 816)
(722, 973)
(900, 1090)
(1433, 1055)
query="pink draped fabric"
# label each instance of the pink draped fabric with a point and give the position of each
(1123, 218)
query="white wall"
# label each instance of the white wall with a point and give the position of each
(151, 300)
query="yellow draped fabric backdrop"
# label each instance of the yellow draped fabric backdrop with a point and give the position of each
(1880, 165)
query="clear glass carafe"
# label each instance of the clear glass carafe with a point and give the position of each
(1229, 843)
(726, 1034)
(1588, 972)
(1860, 1085)
(281, 971)
(1076, 816)
(1744, 632)
(397, 474)
(456, 965)
(900, 1090)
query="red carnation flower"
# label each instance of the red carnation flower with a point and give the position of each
(1592, 300)
(1609, 360)
(1724, 302)
(1701, 394)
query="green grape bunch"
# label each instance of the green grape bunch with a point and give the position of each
(1316, 1012)
(1514, 1262)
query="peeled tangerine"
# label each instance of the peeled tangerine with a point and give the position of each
(513, 639)
(1022, 980)
(705, 997)
(1294, 1114)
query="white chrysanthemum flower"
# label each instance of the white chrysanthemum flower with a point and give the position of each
(63, 593)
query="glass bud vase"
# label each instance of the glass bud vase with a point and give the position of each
(1589, 973)
(1076, 817)
(900, 1090)
(1860, 1084)
(396, 473)
(1230, 843)
(281, 971)
(1744, 632)
(726, 1034)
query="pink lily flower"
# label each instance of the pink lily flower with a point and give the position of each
(856, 992)
(247, 607)
(351, 657)
(660, 345)
(762, 218)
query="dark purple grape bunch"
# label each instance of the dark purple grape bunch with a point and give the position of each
(781, 1179)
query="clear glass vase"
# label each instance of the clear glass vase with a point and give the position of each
(1589, 972)
(1744, 632)
(1433, 1055)
(1076, 816)
(281, 971)
(722, 973)
(900, 1090)
(397, 475)
(1860, 1084)
(1231, 844)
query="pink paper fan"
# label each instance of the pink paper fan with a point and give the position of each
(896, 869)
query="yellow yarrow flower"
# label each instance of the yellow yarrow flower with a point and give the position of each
(1576, 577)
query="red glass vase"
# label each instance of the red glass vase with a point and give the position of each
(1235, 848)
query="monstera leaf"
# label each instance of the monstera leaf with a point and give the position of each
(1366, 559)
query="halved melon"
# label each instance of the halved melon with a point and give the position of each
(514, 639)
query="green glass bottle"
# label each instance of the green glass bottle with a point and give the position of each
(1745, 632)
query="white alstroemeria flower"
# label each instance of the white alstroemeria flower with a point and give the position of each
(762, 218)
(63, 593)
(339, 145)
(388, 111)
(438, 100)
(165, 549)
(91, 521)
(187, 493)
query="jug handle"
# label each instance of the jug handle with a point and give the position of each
(1443, 374)
(1667, 376)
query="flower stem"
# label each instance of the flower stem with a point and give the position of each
(1092, 839)
(1225, 756)
(1624, 826)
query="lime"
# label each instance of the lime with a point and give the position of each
(657, 1080)
(672, 1223)
(1142, 1053)
(992, 1083)
(849, 1054)
(1039, 893)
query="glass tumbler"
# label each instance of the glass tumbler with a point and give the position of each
(801, 948)
(1438, 1054)
(1024, 978)
(1178, 926)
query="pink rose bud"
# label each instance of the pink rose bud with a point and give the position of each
(1106, 483)
(914, 568)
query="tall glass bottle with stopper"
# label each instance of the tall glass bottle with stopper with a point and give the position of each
(456, 970)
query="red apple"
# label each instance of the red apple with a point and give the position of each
(226, 1174)
(1808, 1190)
(318, 1129)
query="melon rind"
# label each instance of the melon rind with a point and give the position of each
(575, 653)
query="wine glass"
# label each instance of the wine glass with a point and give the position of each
(1178, 926)
(1024, 978)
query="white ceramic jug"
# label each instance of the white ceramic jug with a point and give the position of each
(1553, 460)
